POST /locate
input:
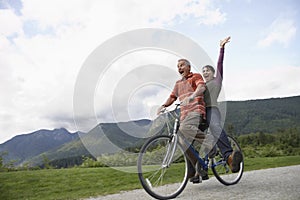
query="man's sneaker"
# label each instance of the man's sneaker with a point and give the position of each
(204, 174)
(234, 161)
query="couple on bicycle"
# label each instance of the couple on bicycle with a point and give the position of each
(199, 102)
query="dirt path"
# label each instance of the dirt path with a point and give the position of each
(276, 183)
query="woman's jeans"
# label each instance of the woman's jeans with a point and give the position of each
(213, 117)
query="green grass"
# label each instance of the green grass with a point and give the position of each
(78, 183)
(71, 183)
(270, 162)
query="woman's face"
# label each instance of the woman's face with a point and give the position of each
(207, 74)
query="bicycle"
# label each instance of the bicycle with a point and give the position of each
(163, 168)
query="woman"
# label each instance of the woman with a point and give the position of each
(213, 115)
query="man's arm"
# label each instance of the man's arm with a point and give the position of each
(169, 102)
(199, 90)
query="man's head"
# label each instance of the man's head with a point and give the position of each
(184, 67)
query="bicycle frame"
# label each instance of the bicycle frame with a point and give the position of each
(205, 162)
(171, 149)
(156, 172)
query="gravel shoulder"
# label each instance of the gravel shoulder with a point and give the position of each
(274, 183)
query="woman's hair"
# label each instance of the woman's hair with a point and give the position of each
(209, 67)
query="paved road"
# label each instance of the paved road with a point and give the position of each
(276, 183)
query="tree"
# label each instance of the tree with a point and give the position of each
(46, 162)
(230, 129)
(2, 165)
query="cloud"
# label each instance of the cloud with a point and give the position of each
(134, 84)
(44, 43)
(280, 81)
(282, 31)
(205, 13)
(13, 24)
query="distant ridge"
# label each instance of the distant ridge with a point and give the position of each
(263, 115)
(22, 147)
(242, 117)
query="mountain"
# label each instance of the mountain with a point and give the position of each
(265, 115)
(66, 149)
(68, 154)
(23, 147)
(104, 138)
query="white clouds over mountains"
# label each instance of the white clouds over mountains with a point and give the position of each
(43, 45)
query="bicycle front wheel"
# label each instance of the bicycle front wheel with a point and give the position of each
(221, 169)
(162, 171)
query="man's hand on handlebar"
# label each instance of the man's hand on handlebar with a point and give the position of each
(161, 109)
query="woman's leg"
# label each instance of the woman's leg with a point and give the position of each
(219, 134)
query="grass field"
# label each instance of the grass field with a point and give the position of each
(76, 183)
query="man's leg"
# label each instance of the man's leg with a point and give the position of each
(190, 131)
(189, 127)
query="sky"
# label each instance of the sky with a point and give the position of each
(44, 45)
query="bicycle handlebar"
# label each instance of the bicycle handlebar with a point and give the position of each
(165, 109)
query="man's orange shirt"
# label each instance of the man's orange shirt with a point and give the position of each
(186, 87)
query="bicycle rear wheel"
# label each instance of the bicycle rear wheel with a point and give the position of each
(221, 169)
(162, 174)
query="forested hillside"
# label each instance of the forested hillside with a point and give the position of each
(264, 128)
(266, 115)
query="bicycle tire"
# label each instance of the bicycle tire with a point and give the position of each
(159, 181)
(221, 169)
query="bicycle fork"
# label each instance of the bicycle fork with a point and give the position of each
(171, 146)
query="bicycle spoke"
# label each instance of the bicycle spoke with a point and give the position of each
(157, 169)
(222, 170)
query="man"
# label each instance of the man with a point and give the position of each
(189, 90)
